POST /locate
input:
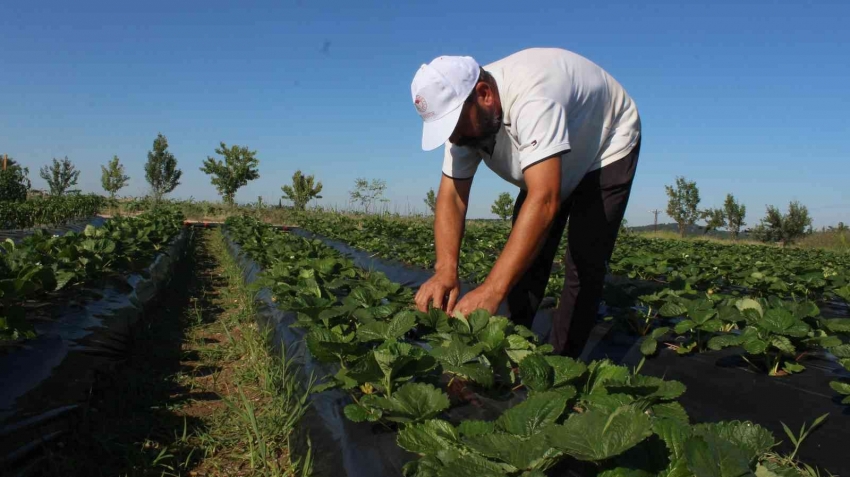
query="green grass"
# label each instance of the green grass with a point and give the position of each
(200, 393)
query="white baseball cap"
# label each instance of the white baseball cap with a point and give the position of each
(439, 90)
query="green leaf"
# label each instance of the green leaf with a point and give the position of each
(532, 415)
(471, 428)
(752, 438)
(684, 326)
(477, 372)
(435, 319)
(841, 388)
(428, 437)
(782, 344)
(595, 435)
(603, 372)
(357, 413)
(701, 310)
(674, 433)
(374, 331)
(413, 402)
(566, 369)
(520, 453)
(536, 373)
(714, 458)
(837, 325)
(670, 411)
(842, 351)
(749, 303)
(456, 353)
(478, 319)
(723, 341)
(672, 310)
(791, 367)
(456, 464)
(658, 333)
(624, 472)
(777, 320)
(400, 325)
(755, 346)
(492, 336)
(648, 346)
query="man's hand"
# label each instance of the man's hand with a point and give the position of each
(482, 297)
(436, 289)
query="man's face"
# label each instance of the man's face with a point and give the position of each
(480, 120)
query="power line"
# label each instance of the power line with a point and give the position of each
(655, 223)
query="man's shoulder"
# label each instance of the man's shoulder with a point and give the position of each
(531, 56)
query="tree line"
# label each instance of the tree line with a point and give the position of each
(683, 207)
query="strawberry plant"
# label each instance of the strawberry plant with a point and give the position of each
(41, 264)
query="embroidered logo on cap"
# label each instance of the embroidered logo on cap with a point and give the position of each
(421, 104)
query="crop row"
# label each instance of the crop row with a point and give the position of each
(48, 210)
(42, 266)
(409, 371)
(759, 270)
(776, 336)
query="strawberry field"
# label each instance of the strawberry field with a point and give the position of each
(476, 394)
(706, 359)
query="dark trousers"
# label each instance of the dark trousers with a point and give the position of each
(595, 210)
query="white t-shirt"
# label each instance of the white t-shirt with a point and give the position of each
(553, 102)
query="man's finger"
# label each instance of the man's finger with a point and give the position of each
(421, 300)
(453, 294)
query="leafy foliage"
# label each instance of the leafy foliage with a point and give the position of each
(682, 204)
(51, 210)
(302, 190)
(367, 193)
(401, 369)
(42, 264)
(161, 170)
(503, 207)
(431, 201)
(238, 167)
(734, 214)
(784, 228)
(60, 176)
(112, 177)
(14, 182)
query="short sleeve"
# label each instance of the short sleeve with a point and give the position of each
(542, 132)
(460, 162)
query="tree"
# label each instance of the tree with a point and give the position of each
(161, 169)
(60, 176)
(112, 177)
(503, 207)
(302, 190)
(431, 200)
(682, 204)
(714, 219)
(239, 167)
(14, 182)
(776, 227)
(367, 192)
(735, 214)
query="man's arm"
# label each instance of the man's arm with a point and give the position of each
(449, 224)
(536, 215)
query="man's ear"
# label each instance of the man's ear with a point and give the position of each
(485, 94)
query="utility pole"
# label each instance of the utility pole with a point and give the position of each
(655, 224)
(5, 158)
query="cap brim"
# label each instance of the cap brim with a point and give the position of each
(436, 133)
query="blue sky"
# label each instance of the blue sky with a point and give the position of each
(741, 96)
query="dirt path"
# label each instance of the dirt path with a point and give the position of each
(199, 394)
